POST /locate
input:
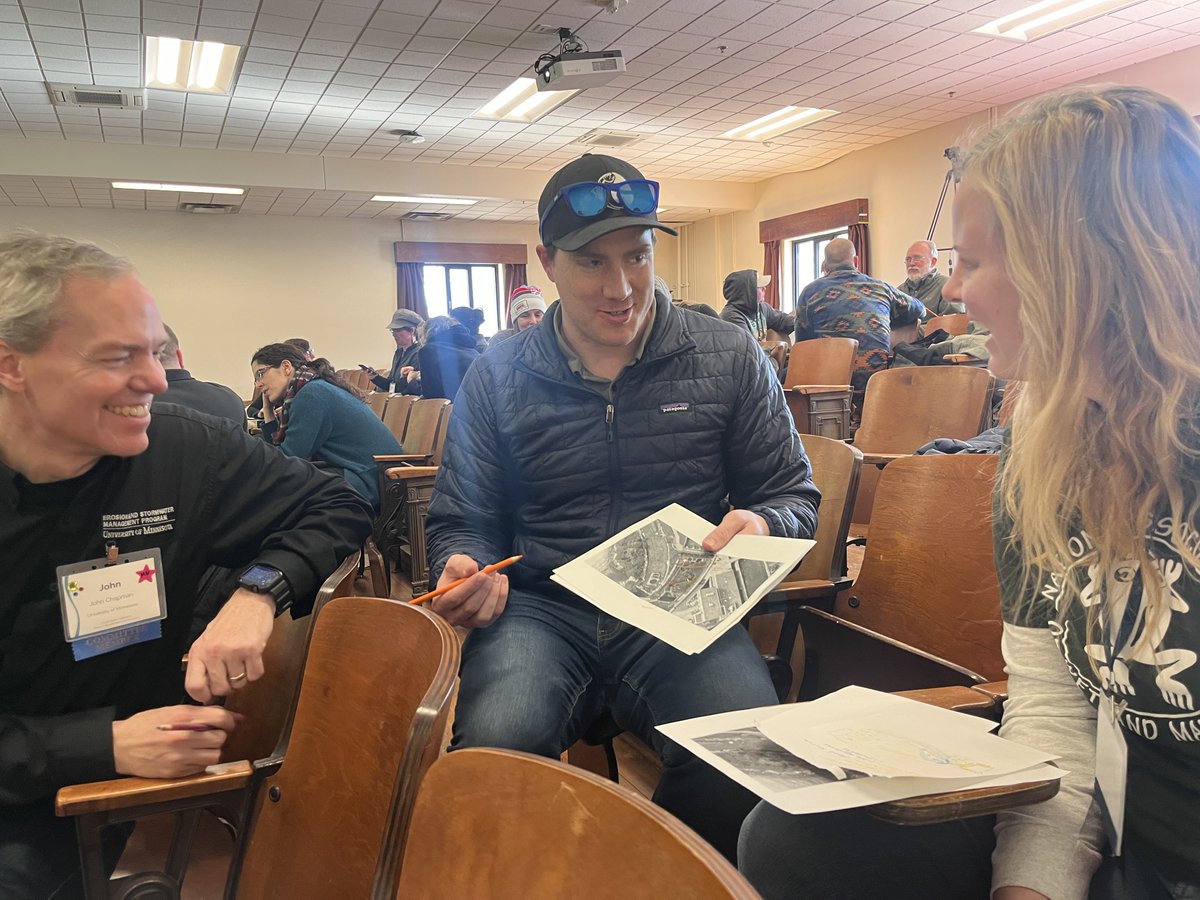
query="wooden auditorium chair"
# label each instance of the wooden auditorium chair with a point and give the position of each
(266, 705)
(822, 573)
(396, 413)
(328, 814)
(954, 324)
(405, 486)
(905, 408)
(498, 824)
(924, 610)
(817, 386)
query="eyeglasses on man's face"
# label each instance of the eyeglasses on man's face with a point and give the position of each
(913, 259)
(407, 328)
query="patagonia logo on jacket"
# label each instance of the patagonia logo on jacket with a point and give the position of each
(673, 407)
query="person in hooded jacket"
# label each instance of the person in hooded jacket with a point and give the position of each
(447, 351)
(745, 306)
(471, 319)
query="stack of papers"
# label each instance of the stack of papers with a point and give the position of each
(655, 576)
(857, 747)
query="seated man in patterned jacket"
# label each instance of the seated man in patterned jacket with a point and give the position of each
(846, 303)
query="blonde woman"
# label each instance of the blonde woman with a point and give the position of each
(1077, 232)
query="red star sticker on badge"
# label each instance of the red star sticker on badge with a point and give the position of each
(146, 574)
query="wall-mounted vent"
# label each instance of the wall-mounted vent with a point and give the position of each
(599, 137)
(209, 209)
(96, 96)
(418, 216)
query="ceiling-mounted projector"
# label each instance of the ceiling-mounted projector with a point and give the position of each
(579, 71)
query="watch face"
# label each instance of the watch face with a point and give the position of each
(261, 577)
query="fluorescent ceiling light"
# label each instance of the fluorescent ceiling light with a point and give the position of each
(435, 201)
(521, 101)
(782, 120)
(205, 67)
(1047, 17)
(181, 188)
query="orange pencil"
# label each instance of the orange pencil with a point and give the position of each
(494, 567)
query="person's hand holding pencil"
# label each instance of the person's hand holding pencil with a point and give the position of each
(467, 595)
(171, 741)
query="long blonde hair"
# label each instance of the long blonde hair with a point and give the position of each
(1096, 195)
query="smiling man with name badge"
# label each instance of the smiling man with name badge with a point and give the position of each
(109, 516)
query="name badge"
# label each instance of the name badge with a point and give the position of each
(1112, 765)
(107, 606)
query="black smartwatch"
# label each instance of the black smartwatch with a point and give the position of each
(262, 579)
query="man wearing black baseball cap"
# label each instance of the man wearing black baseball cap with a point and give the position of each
(616, 406)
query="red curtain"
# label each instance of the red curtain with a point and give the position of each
(410, 288)
(514, 276)
(772, 267)
(862, 243)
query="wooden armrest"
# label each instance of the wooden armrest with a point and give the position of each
(819, 388)
(954, 805)
(997, 690)
(125, 793)
(882, 459)
(959, 357)
(957, 697)
(407, 473)
(401, 459)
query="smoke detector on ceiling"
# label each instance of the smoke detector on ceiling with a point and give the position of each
(407, 136)
(601, 137)
(209, 208)
(96, 96)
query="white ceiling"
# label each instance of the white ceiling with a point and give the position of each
(327, 80)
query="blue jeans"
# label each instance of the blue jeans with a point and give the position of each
(537, 677)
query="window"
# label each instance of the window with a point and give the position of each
(807, 254)
(461, 284)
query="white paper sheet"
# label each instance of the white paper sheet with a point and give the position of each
(655, 576)
(735, 744)
(885, 735)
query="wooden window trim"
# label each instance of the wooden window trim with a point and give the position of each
(441, 252)
(814, 221)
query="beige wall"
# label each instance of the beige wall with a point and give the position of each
(229, 284)
(901, 179)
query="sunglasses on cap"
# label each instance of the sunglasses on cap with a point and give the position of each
(590, 199)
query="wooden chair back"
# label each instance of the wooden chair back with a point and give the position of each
(267, 704)
(928, 578)
(498, 824)
(905, 408)
(396, 413)
(420, 437)
(357, 378)
(439, 441)
(821, 361)
(370, 720)
(953, 324)
(835, 470)
(378, 401)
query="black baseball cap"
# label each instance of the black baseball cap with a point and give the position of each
(567, 231)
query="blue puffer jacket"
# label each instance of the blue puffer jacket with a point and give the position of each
(537, 463)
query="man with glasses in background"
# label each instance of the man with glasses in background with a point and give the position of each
(616, 406)
(925, 282)
(405, 376)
